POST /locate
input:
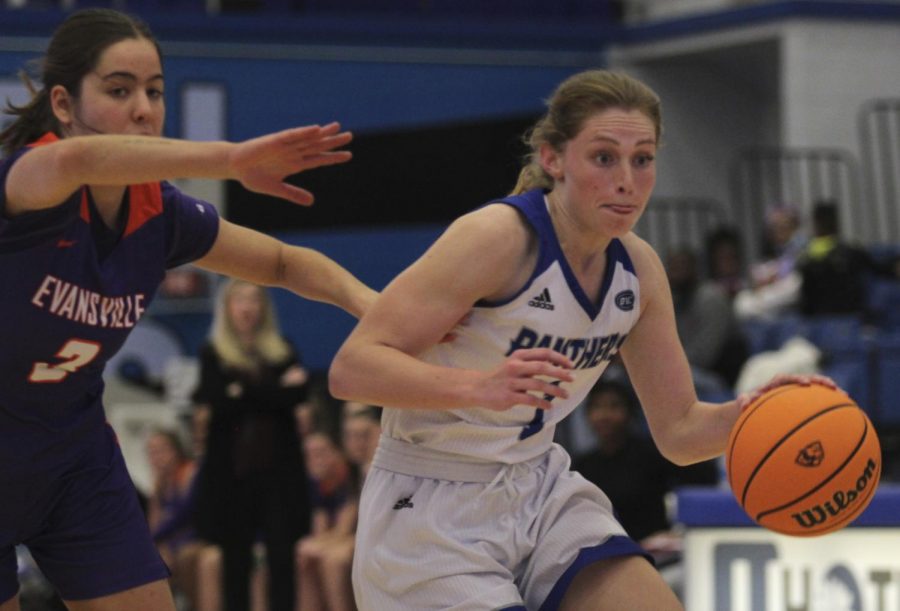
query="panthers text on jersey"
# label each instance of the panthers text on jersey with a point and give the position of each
(550, 311)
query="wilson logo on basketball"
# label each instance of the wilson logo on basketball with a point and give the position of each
(840, 501)
(812, 455)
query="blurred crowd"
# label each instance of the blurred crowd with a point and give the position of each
(807, 271)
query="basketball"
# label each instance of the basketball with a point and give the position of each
(803, 460)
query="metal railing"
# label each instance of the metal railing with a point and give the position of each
(670, 222)
(800, 177)
(879, 135)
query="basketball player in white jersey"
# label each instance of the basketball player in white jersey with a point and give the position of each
(469, 505)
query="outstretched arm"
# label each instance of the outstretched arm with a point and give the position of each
(247, 254)
(47, 175)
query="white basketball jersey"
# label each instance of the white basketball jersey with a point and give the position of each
(551, 311)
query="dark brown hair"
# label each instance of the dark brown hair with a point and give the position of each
(73, 52)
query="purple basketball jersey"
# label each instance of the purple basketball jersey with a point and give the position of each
(67, 306)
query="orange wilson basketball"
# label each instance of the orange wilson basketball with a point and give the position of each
(803, 460)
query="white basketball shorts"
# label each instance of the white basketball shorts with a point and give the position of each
(439, 531)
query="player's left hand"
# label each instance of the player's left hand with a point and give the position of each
(262, 164)
(295, 375)
(745, 399)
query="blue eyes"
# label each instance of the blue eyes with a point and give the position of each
(606, 159)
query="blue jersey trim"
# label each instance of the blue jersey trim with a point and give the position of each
(531, 204)
(614, 547)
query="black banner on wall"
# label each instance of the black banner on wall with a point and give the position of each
(426, 175)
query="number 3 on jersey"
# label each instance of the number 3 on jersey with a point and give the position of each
(75, 354)
(537, 423)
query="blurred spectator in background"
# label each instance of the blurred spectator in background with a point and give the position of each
(324, 586)
(168, 511)
(712, 339)
(775, 282)
(627, 466)
(319, 411)
(725, 260)
(330, 565)
(835, 274)
(360, 430)
(253, 480)
(784, 242)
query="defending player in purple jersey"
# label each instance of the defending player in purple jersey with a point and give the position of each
(88, 227)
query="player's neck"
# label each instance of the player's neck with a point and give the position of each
(109, 201)
(581, 247)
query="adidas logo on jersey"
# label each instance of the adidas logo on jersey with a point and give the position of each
(542, 300)
(404, 503)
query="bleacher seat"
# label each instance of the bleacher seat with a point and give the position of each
(757, 333)
(848, 351)
(823, 331)
(852, 373)
(886, 374)
(884, 303)
(838, 331)
(764, 334)
(787, 327)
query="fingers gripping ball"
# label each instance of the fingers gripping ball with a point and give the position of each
(803, 460)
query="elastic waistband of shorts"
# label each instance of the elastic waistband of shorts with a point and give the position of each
(418, 461)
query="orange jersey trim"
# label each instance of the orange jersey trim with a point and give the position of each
(146, 203)
(45, 139)
(145, 199)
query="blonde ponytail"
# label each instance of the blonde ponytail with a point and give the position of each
(532, 176)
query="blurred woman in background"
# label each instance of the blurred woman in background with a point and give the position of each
(253, 480)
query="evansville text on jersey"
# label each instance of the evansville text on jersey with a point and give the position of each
(77, 304)
(585, 352)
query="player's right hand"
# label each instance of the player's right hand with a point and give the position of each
(262, 164)
(744, 400)
(530, 377)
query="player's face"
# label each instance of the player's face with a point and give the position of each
(160, 454)
(123, 94)
(245, 308)
(356, 438)
(608, 415)
(321, 456)
(726, 261)
(605, 175)
(781, 228)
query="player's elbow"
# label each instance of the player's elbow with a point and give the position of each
(676, 450)
(681, 459)
(340, 376)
